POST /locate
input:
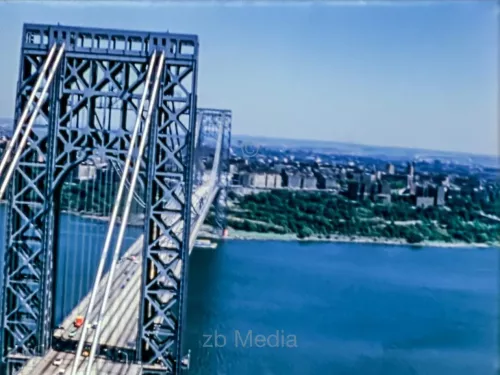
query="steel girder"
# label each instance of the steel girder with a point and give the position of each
(92, 107)
(168, 220)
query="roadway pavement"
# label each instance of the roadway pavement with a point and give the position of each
(45, 366)
(121, 320)
(120, 324)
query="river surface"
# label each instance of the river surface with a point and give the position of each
(287, 308)
(353, 309)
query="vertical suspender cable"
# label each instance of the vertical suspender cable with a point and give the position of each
(128, 204)
(20, 123)
(68, 270)
(19, 150)
(113, 217)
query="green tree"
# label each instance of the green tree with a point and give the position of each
(305, 232)
(413, 236)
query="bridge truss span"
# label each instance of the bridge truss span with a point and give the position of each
(86, 109)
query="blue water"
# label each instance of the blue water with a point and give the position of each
(81, 242)
(351, 308)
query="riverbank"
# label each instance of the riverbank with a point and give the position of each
(235, 234)
(134, 221)
(243, 235)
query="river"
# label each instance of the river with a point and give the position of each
(353, 309)
(287, 308)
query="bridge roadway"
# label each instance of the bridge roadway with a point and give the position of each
(119, 332)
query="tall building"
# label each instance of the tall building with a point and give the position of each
(390, 169)
(411, 185)
(440, 196)
(353, 190)
(411, 169)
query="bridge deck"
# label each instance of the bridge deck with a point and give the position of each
(120, 321)
(119, 332)
(45, 366)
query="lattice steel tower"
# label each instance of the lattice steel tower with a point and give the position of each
(92, 102)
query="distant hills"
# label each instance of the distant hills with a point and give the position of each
(339, 148)
(380, 152)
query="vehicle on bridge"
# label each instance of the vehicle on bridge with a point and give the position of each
(79, 321)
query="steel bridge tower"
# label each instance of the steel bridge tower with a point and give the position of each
(94, 93)
(210, 122)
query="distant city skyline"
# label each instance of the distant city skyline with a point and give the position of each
(416, 76)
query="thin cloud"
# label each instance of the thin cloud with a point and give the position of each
(268, 3)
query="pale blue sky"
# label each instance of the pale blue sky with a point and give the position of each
(406, 75)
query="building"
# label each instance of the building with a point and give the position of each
(235, 179)
(411, 169)
(258, 180)
(86, 172)
(294, 181)
(367, 179)
(424, 202)
(308, 181)
(343, 174)
(440, 196)
(273, 180)
(233, 169)
(385, 188)
(411, 186)
(244, 179)
(373, 189)
(353, 190)
(291, 179)
(390, 169)
(326, 179)
(330, 183)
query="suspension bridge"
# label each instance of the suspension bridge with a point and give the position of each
(107, 130)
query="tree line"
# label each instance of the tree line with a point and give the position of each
(324, 214)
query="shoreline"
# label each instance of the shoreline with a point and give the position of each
(253, 236)
(135, 223)
(235, 234)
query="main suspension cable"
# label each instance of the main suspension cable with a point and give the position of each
(113, 218)
(128, 204)
(24, 139)
(22, 119)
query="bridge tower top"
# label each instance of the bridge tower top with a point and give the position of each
(126, 45)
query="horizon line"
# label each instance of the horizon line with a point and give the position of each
(465, 153)
(353, 143)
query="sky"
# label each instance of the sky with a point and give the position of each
(422, 75)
